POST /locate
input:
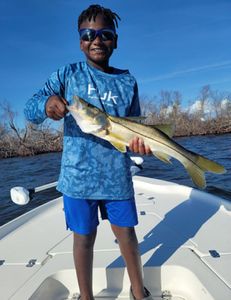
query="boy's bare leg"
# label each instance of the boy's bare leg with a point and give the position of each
(128, 243)
(83, 257)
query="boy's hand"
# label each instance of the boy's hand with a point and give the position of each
(56, 107)
(137, 145)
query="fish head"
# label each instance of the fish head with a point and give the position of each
(88, 117)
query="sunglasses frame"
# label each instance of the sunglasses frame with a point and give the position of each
(98, 33)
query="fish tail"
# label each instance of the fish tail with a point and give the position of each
(199, 166)
(209, 165)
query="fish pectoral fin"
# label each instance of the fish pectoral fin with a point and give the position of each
(117, 141)
(119, 146)
(162, 156)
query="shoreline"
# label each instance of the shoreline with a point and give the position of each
(15, 155)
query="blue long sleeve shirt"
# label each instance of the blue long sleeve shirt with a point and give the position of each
(91, 168)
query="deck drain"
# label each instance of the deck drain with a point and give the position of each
(214, 253)
(31, 263)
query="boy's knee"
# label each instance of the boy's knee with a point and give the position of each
(124, 233)
(84, 241)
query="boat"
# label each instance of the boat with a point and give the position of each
(184, 238)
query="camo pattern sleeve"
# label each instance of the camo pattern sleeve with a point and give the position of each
(35, 111)
(91, 167)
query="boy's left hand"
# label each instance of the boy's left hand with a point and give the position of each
(137, 145)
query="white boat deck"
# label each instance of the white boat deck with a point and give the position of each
(184, 237)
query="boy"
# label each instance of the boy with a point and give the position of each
(90, 176)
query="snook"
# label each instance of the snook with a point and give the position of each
(119, 131)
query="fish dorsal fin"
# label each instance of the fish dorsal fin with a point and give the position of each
(168, 129)
(162, 156)
(135, 119)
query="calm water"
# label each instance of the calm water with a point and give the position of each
(38, 170)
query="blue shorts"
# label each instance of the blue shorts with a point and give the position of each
(82, 214)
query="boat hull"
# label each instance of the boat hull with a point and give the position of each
(184, 242)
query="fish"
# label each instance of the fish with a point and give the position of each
(119, 131)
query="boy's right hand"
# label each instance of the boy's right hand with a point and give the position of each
(56, 107)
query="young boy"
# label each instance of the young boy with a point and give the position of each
(90, 176)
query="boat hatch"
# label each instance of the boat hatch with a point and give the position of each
(114, 284)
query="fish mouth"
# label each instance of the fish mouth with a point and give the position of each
(72, 108)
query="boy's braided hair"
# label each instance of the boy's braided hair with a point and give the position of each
(93, 10)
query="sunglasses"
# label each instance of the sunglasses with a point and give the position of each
(105, 34)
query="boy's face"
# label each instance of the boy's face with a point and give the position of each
(98, 51)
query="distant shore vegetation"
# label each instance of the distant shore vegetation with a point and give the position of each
(209, 114)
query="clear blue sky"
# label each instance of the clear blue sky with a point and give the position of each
(167, 44)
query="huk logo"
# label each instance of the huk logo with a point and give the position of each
(107, 97)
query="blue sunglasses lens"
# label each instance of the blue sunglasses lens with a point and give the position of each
(90, 34)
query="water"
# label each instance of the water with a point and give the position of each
(42, 169)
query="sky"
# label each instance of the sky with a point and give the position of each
(173, 45)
